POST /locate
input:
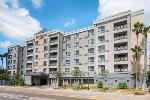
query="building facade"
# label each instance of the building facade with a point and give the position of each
(16, 59)
(105, 45)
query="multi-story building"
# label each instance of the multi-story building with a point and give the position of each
(16, 59)
(105, 45)
(44, 56)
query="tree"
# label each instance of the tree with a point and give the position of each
(104, 74)
(138, 29)
(57, 75)
(77, 73)
(145, 33)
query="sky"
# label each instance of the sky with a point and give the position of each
(20, 19)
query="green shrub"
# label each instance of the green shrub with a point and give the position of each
(122, 85)
(100, 85)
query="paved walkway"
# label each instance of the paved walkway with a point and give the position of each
(78, 94)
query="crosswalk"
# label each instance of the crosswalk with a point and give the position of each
(9, 96)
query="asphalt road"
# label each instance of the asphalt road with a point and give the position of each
(10, 95)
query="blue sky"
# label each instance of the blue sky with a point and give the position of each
(50, 14)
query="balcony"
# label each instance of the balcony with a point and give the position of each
(52, 64)
(121, 68)
(54, 39)
(121, 37)
(120, 46)
(29, 53)
(120, 25)
(51, 49)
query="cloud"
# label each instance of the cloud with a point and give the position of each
(69, 23)
(5, 44)
(37, 3)
(108, 7)
(15, 21)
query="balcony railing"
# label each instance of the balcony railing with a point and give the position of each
(51, 49)
(117, 59)
(120, 37)
(53, 41)
(120, 48)
(120, 27)
(53, 56)
(52, 64)
(29, 53)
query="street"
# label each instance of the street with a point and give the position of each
(17, 95)
(34, 93)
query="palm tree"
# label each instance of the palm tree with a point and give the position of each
(145, 33)
(136, 50)
(138, 29)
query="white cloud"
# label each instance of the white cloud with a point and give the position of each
(108, 7)
(5, 44)
(37, 3)
(69, 23)
(15, 21)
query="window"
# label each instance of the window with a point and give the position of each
(101, 29)
(36, 50)
(91, 41)
(36, 56)
(44, 70)
(115, 80)
(76, 68)
(45, 41)
(91, 50)
(91, 32)
(45, 55)
(101, 39)
(45, 63)
(101, 58)
(76, 36)
(14, 61)
(68, 38)
(36, 63)
(76, 61)
(15, 55)
(91, 59)
(90, 68)
(14, 67)
(101, 48)
(101, 68)
(45, 48)
(76, 44)
(68, 46)
(68, 54)
(36, 43)
(77, 52)
(67, 69)
(67, 61)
